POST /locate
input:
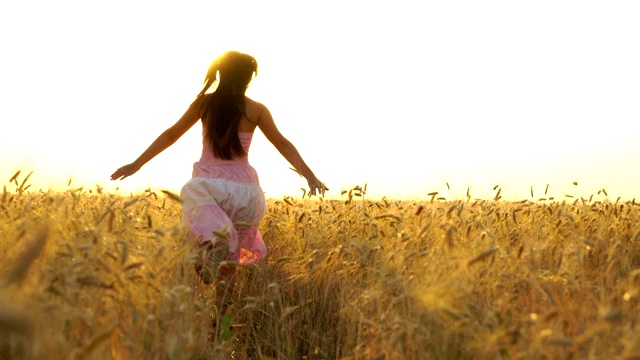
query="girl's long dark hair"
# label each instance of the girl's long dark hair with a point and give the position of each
(222, 110)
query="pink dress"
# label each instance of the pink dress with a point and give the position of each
(223, 202)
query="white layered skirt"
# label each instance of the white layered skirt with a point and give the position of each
(222, 210)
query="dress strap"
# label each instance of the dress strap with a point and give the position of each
(249, 120)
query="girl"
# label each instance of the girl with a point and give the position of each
(223, 202)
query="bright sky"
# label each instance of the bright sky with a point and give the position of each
(405, 96)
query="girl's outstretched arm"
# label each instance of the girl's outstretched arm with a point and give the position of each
(166, 139)
(288, 151)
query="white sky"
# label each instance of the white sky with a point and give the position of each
(403, 95)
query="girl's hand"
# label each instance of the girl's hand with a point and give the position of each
(316, 185)
(125, 171)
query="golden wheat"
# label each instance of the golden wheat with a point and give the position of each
(111, 278)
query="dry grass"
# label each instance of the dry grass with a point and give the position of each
(101, 276)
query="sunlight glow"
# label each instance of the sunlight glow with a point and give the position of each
(401, 96)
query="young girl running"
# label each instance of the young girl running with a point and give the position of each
(223, 202)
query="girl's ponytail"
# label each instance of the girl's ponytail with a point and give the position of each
(222, 109)
(210, 78)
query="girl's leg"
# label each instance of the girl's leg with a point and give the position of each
(209, 258)
(224, 288)
(225, 282)
(211, 228)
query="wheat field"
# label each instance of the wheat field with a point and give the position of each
(92, 275)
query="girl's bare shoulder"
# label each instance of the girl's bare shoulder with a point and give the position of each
(254, 111)
(254, 104)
